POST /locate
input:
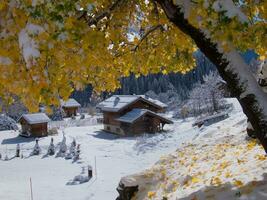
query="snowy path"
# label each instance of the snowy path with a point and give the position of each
(116, 157)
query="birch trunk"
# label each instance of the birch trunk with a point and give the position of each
(232, 69)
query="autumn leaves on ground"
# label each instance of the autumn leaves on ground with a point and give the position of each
(227, 166)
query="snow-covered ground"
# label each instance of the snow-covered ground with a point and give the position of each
(220, 163)
(115, 157)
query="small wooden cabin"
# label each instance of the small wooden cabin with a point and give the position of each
(34, 125)
(133, 114)
(70, 107)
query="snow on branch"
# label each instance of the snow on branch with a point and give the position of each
(28, 46)
(228, 6)
(231, 10)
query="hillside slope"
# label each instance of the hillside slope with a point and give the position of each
(220, 163)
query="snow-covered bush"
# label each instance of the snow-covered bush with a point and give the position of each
(82, 116)
(81, 179)
(51, 148)
(72, 150)
(57, 114)
(62, 147)
(36, 149)
(53, 131)
(170, 97)
(15, 110)
(7, 123)
(77, 153)
(206, 97)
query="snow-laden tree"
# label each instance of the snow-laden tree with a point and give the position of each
(207, 97)
(62, 147)
(72, 150)
(36, 149)
(51, 148)
(57, 114)
(7, 123)
(170, 97)
(77, 153)
(213, 94)
(43, 42)
(13, 108)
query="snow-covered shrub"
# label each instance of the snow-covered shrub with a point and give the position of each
(57, 114)
(15, 110)
(207, 97)
(170, 97)
(81, 179)
(62, 147)
(36, 149)
(72, 150)
(82, 116)
(77, 153)
(7, 123)
(184, 112)
(51, 148)
(53, 131)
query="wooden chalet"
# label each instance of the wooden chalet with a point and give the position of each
(133, 114)
(34, 125)
(70, 107)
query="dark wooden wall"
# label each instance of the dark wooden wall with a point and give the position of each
(36, 130)
(70, 111)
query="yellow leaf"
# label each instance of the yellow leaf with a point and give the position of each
(238, 183)
(195, 180)
(151, 194)
(260, 157)
(251, 144)
(215, 181)
(228, 175)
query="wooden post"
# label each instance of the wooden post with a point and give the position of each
(31, 188)
(90, 171)
(95, 168)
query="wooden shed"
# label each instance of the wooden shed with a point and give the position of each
(34, 125)
(141, 111)
(70, 107)
(142, 121)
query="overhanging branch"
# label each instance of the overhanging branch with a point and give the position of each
(150, 30)
(93, 20)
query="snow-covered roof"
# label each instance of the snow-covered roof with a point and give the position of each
(35, 118)
(118, 102)
(155, 101)
(136, 113)
(69, 103)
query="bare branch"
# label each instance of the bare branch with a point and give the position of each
(152, 29)
(105, 13)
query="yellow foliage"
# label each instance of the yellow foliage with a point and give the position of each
(228, 174)
(238, 183)
(151, 194)
(215, 181)
(195, 180)
(260, 157)
(251, 144)
(223, 165)
(74, 54)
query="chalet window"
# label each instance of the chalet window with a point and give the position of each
(108, 128)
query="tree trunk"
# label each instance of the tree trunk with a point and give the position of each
(240, 81)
